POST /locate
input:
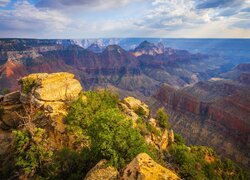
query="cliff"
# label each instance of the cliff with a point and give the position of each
(113, 66)
(214, 113)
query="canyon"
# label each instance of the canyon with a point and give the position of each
(207, 98)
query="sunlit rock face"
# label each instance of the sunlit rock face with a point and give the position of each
(144, 167)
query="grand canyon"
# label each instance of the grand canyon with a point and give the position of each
(206, 94)
(125, 90)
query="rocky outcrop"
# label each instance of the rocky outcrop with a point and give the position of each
(51, 94)
(102, 171)
(154, 135)
(144, 167)
(42, 92)
(136, 105)
(50, 91)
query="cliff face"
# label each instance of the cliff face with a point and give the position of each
(139, 71)
(214, 113)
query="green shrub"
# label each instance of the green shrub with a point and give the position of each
(179, 139)
(70, 164)
(152, 129)
(162, 118)
(140, 112)
(27, 85)
(32, 152)
(113, 138)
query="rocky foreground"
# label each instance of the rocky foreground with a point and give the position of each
(52, 129)
(44, 100)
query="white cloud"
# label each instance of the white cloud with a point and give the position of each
(26, 17)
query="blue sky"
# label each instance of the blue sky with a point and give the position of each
(125, 18)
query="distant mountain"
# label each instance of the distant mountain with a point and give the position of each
(95, 47)
(148, 48)
(113, 66)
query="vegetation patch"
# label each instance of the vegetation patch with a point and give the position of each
(163, 118)
(27, 85)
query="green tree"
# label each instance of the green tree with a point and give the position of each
(32, 152)
(162, 118)
(114, 138)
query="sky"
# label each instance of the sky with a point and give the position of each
(78, 19)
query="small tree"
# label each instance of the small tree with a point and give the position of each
(113, 138)
(162, 118)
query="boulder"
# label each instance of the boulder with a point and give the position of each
(136, 104)
(51, 91)
(54, 87)
(144, 167)
(102, 172)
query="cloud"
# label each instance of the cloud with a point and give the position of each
(245, 24)
(4, 3)
(175, 14)
(26, 17)
(172, 15)
(66, 4)
(125, 18)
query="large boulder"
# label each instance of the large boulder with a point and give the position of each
(102, 172)
(54, 87)
(51, 91)
(143, 167)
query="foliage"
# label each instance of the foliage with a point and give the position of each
(31, 151)
(27, 85)
(83, 110)
(70, 164)
(153, 129)
(113, 138)
(162, 118)
(140, 112)
(200, 162)
(179, 139)
(5, 91)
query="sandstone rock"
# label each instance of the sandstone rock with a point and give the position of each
(102, 172)
(52, 91)
(164, 140)
(125, 109)
(145, 168)
(135, 104)
(55, 87)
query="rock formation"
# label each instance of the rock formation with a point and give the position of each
(144, 167)
(113, 66)
(102, 171)
(213, 113)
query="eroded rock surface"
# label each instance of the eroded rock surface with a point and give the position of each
(102, 171)
(143, 167)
